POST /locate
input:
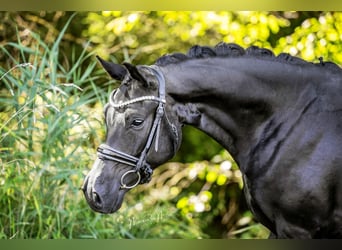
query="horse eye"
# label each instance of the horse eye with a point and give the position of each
(137, 122)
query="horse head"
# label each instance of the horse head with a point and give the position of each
(140, 135)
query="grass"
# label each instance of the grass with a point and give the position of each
(50, 124)
(45, 131)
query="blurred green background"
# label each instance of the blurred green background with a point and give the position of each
(52, 92)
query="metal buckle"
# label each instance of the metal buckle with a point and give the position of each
(124, 186)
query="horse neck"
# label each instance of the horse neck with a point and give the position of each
(230, 99)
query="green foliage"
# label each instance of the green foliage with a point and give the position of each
(199, 144)
(144, 36)
(316, 37)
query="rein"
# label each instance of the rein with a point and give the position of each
(140, 166)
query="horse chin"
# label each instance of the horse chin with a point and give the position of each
(109, 206)
(116, 205)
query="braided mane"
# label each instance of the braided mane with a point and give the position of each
(234, 50)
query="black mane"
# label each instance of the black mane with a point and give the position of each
(223, 49)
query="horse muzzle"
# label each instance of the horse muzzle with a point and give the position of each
(105, 186)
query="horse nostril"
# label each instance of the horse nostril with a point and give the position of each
(97, 199)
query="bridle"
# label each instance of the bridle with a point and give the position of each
(140, 166)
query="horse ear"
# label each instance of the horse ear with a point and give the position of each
(116, 71)
(135, 74)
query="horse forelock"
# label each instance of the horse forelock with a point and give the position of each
(223, 49)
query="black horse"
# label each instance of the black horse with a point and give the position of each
(280, 117)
